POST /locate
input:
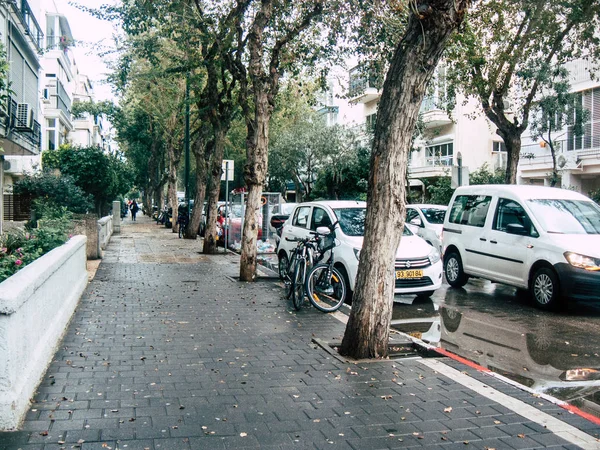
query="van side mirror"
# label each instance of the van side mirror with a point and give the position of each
(516, 228)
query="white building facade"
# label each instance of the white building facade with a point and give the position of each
(467, 139)
(20, 130)
(578, 157)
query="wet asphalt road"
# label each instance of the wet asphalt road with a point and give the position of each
(498, 328)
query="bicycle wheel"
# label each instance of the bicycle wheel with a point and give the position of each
(298, 284)
(288, 279)
(326, 290)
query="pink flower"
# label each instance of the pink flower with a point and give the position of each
(3, 249)
(19, 250)
(18, 262)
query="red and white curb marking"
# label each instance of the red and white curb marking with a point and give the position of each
(567, 432)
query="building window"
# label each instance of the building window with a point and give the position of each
(590, 100)
(499, 147)
(51, 134)
(440, 155)
(371, 119)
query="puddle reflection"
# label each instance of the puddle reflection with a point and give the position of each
(549, 353)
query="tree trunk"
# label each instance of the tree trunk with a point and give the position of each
(413, 64)
(210, 241)
(254, 174)
(512, 142)
(172, 187)
(199, 153)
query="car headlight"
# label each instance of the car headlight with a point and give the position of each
(357, 253)
(582, 261)
(434, 255)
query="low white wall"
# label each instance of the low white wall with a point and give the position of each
(105, 231)
(36, 305)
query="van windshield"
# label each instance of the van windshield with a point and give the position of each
(567, 216)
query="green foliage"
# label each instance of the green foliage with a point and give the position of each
(595, 195)
(101, 175)
(18, 248)
(56, 190)
(484, 175)
(95, 109)
(440, 192)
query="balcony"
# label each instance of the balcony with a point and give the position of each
(365, 85)
(432, 115)
(23, 11)
(535, 158)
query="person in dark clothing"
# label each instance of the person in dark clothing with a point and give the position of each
(134, 209)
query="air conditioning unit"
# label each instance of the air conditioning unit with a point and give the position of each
(24, 120)
(568, 162)
(6, 165)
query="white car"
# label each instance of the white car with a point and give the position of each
(427, 221)
(418, 264)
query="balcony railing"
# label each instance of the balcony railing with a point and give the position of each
(32, 28)
(363, 80)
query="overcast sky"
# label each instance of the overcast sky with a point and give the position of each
(89, 33)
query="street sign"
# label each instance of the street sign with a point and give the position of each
(227, 170)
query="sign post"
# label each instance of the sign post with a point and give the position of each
(227, 167)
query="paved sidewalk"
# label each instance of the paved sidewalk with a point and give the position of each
(167, 350)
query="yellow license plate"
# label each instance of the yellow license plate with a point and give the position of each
(403, 274)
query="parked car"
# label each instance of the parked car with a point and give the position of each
(418, 264)
(235, 222)
(280, 214)
(543, 239)
(427, 221)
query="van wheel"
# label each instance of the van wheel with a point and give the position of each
(453, 269)
(545, 289)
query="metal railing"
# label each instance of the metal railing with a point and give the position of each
(32, 28)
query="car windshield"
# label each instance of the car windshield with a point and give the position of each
(434, 215)
(287, 208)
(567, 216)
(352, 221)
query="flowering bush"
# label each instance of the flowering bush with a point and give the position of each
(19, 247)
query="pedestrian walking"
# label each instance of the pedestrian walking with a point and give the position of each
(134, 209)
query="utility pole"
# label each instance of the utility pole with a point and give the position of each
(187, 145)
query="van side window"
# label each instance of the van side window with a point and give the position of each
(320, 218)
(301, 217)
(509, 212)
(470, 210)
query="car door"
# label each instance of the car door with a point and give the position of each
(509, 243)
(467, 219)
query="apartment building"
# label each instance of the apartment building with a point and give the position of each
(466, 139)
(22, 36)
(577, 156)
(460, 138)
(88, 130)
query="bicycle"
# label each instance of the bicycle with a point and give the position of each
(294, 274)
(325, 286)
(182, 220)
(330, 291)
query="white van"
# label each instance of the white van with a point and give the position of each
(543, 239)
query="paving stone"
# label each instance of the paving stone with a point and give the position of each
(241, 362)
